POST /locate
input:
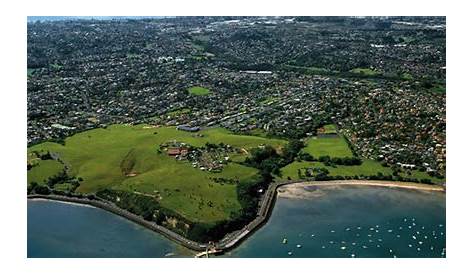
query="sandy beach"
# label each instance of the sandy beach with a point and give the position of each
(300, 190)
(63, 202)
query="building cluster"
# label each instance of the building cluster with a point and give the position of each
(380, 80)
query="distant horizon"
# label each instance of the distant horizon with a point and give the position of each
(65, 18)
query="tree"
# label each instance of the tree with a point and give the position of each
(44, 190)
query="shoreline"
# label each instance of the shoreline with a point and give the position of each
(62, 202)
(375, 183)
(234, 238)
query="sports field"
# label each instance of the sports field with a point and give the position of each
(125, 157)
(333, 146)
(199, 91)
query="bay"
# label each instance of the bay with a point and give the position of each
(326, 222)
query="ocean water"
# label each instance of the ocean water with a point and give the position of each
(346, 222)
(342, 222)
(67, 230)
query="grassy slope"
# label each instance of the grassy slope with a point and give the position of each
(97, 156)
(198, 91)
(330, 146)
(44, 170)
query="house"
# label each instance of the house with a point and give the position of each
(177, 151)
(173, 151)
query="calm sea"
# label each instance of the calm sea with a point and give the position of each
(337, 222)
(67, 230)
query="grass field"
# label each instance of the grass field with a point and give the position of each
(407, 76)
(328, 146)
(56, 66)
(364, 71)
(105, 158)
(30, 71)
(439, 89)
(200, 91)
(312, 70)
(45, 169)
(367, 168)
(330, 129)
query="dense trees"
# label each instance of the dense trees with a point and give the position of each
(268, 161)
(35, 188)
(330, 161)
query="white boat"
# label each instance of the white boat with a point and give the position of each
(298, 246)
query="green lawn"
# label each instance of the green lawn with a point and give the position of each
(328, 146)
(43, 170)
(439, 89)
(312, 70)
(65, 187)
(99, 157)
(30, 71)
(406, 76)
(364, 71)
(330, 129)
(56, 66)
(200, 91)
